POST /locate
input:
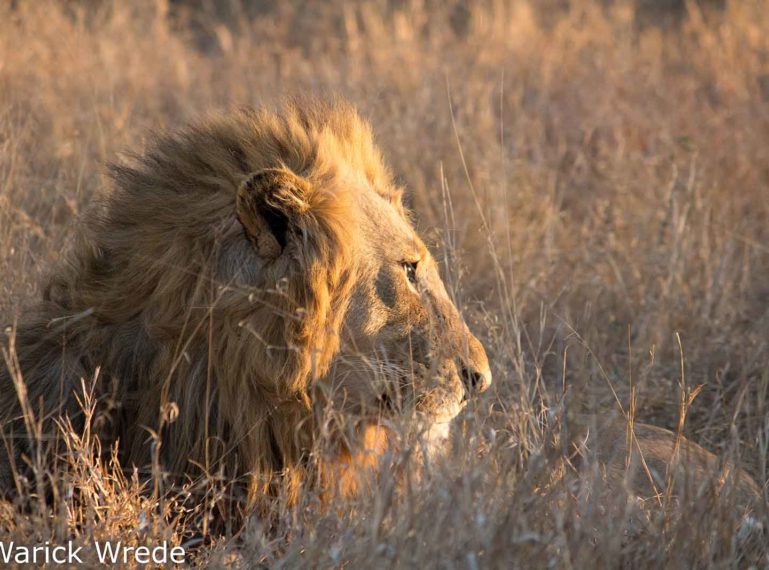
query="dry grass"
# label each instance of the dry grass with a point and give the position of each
(595, 186)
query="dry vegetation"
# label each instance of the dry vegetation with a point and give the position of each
(596, 184)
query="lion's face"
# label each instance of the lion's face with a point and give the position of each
(400, 344)
(405, 346)
(366, 319)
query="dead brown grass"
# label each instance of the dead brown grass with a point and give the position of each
(595, 187)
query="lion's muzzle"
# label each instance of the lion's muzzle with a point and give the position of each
(475, 381)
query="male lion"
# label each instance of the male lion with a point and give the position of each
(244, 275)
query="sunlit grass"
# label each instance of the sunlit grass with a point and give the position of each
(594, 186)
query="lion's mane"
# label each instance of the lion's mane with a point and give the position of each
(192, 336)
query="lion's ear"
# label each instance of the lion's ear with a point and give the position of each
(268, 204)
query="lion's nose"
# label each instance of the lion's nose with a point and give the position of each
(476, 381)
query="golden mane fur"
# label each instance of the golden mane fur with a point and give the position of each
(159, 294)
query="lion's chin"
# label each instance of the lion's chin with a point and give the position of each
(435, 435)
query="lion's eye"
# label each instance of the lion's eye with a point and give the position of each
(410, 267)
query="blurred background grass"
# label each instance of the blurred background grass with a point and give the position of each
(594, 175)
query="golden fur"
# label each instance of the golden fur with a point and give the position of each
(653, 464)
(226, 291)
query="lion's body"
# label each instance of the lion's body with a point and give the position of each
(651, 458)
(654, 465)
(207, 302)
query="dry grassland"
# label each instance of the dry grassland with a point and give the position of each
(596, 184)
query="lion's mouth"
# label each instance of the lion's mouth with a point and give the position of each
(446, 414)
(437, 406)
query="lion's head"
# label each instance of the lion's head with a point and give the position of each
(248, 272)
(394, 341)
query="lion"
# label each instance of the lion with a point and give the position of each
(244, 275)
(634, 471)
(653, 462)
